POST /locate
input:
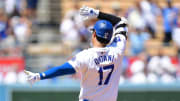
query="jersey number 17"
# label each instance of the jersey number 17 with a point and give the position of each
(100, 71)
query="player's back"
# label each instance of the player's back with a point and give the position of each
(100, 71)
(100, 81)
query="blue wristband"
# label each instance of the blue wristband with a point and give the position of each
(65, 69)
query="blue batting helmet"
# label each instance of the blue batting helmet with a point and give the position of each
(104, 29)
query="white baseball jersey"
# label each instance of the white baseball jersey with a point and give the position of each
(100, 70)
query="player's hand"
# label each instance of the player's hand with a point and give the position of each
(88, 12)
(32, 77)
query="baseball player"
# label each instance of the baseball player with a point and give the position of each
(99, 66)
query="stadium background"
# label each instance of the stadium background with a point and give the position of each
(39, 34)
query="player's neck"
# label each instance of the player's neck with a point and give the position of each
(98, 45)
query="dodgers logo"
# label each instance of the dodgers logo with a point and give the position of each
(106, 35)
(102, 25)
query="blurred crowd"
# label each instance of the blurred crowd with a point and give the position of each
(16, 18)
(147, 20)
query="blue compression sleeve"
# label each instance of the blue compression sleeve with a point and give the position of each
(64, 69)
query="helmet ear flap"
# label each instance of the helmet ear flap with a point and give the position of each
(92, 30)
(102, 40)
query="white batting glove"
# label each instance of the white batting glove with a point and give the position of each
(32, 77)
(88, 12)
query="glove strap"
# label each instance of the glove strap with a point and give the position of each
(37, 77)
(42, 75)
(95, 12)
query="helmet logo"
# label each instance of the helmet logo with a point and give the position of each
(102, 25)
(106, 35)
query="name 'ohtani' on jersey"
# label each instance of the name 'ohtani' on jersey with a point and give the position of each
(104, 58)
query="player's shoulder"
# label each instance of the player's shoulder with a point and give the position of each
(90, 52)
(84, 56)
(84, 53)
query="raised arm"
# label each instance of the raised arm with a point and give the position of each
(119, 23)
(105, 16)
(88, 12)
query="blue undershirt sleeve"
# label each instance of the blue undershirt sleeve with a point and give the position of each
(65, 69)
